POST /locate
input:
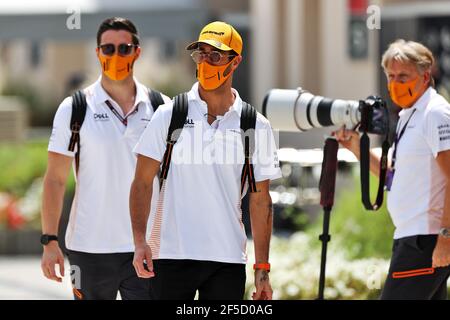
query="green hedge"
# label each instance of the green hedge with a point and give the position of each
(21, 164)
(360, 233)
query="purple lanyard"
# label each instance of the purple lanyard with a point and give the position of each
(118, 115)
(398, 136)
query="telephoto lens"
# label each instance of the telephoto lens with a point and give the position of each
(299, 110)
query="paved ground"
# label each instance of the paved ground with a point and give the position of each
(21, 278)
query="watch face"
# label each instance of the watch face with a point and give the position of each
(445, 232)
(44, 239)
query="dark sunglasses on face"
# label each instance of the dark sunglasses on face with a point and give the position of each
(123, 49)
(213, 56)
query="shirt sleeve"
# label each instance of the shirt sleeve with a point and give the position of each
(60, 136)
(437, 129)
(152, 142)
(265, 159)
(166, 99)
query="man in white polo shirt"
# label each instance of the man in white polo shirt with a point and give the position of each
(99, 235)
(198, 241)
(418, 181)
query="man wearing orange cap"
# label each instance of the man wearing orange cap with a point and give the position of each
(197, 240)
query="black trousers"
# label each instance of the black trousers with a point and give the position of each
(410, 276)
(181, 279)
(101, 276)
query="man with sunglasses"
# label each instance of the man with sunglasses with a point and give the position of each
(198, 241)
(99, 235)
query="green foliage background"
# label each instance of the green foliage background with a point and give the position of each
(360, 233)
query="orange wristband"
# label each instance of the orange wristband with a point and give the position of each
(262, 266)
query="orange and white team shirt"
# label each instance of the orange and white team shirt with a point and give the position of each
(416, 199)
(198, 214)
(100, 215)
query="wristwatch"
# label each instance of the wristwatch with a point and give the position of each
(46, 238)
(444, 232)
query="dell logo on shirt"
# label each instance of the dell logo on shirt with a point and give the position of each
(189, 123)
(101, 116)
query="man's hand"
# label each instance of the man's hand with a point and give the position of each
(58, 169)
(140, 202)
(441, 253)
(261, 217)
(50, 258)
(349, 139)
(142, 261)
(262, 284)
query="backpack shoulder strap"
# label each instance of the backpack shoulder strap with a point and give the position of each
(177, 121)
(155, 98)
(248, 124)
(79, 106)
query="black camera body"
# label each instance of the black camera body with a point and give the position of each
(374, 116)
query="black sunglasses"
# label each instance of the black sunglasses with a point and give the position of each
(123, 49)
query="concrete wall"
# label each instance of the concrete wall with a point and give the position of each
(305, 43)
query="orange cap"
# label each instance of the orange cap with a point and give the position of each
(220, 35)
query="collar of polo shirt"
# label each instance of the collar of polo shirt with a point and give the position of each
(100, 95)
(421, 104)
(236, 107)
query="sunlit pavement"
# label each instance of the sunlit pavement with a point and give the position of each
(21, 279)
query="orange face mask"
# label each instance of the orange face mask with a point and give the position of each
(211, 77)
(117, 67)
(403, 94)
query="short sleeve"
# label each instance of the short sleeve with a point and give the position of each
(60, 136)
(152, 142)
(265, 159)
(437, 129)
(166, 99)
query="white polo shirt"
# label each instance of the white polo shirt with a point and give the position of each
(100, 216)
(199, 213)
(416, 199)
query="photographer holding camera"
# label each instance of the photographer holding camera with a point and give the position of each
(418, 179)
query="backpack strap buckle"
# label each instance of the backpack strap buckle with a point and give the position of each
(75, 128)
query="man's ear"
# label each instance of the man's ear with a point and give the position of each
(138, 53)
(427, 78)
(236, 61)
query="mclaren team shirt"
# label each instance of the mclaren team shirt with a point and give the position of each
(199, 213)
(416, 199)
(100, 216)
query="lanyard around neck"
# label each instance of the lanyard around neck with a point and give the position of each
(118, 115)
(398, 136)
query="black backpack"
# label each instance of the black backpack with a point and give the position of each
(248, 121)
(79, 106)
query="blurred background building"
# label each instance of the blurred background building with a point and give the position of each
(323, 46)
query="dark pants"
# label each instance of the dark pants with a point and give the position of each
(410, 277)
(101, 276)
(180, 280)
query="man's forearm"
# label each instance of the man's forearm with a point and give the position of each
(52, 204)
(446, 216)
(140, 201)
(261, 215)
(374, 162)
